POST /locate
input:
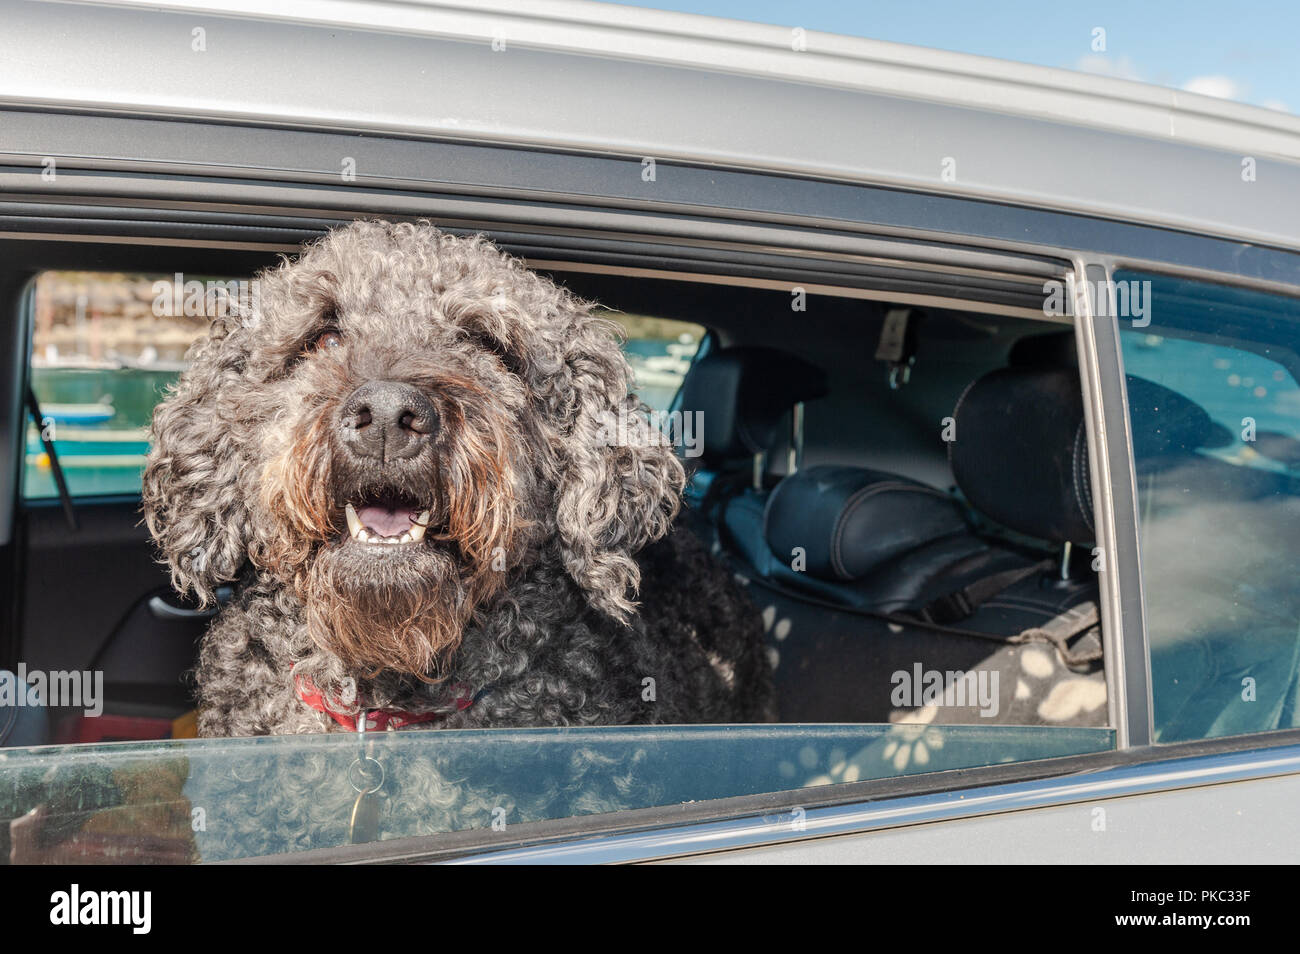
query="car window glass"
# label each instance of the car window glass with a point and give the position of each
(218, 799)
(1215, 413)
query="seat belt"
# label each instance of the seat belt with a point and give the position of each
(954, 607)
(1060, 630)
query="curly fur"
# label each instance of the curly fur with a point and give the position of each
(543, 533)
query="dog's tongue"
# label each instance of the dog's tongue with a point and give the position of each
(387, 520)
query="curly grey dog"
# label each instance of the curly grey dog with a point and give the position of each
(402, 461)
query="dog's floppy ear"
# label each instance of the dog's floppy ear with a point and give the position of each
(193, 502)
(620, 483)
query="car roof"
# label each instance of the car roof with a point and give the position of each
(674, 87)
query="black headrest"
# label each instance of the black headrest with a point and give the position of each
(1056, 349)
(1021, 449)
(1020, 453)
(743, 393)
(848, 520)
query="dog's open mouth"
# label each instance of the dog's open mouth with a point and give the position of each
(387, 519)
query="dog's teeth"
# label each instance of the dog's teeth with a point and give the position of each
(363, 534)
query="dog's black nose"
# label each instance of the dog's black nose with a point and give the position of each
(388, 420)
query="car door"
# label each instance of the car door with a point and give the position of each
(667, 290)
(862, 219)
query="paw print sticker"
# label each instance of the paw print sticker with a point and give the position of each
(913, 740)
(778, 629)
(1058, 699)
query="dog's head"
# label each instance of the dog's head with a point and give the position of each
(405, 421)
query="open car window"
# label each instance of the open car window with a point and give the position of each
(895, 653)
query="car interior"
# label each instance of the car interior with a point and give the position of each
(899, 486)
(933, 517)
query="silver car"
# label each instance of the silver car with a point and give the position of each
(1046, 486)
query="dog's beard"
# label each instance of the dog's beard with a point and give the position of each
(388, 612)
(395, 607)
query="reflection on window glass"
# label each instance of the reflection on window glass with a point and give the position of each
(1215, 412)
(217, 799)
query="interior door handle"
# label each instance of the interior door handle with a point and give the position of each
(162, 609)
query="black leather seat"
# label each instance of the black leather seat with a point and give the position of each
(871, 540)
(843, 545)
(855, 537)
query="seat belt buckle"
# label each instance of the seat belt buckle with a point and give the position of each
(948, 609)
(897, 347)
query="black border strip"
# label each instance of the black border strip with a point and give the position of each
(160, 147)
(1125, 564)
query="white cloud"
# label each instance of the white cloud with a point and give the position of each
(1221, 87)
(1216, 85)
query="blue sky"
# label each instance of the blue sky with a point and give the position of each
(1246, 51)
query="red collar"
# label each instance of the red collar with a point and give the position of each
(461, 698)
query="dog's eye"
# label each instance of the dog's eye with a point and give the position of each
(493, 345)
(327, 339)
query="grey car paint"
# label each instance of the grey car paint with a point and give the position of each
(1250, 822)
(1191, 796)
(654, 85)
